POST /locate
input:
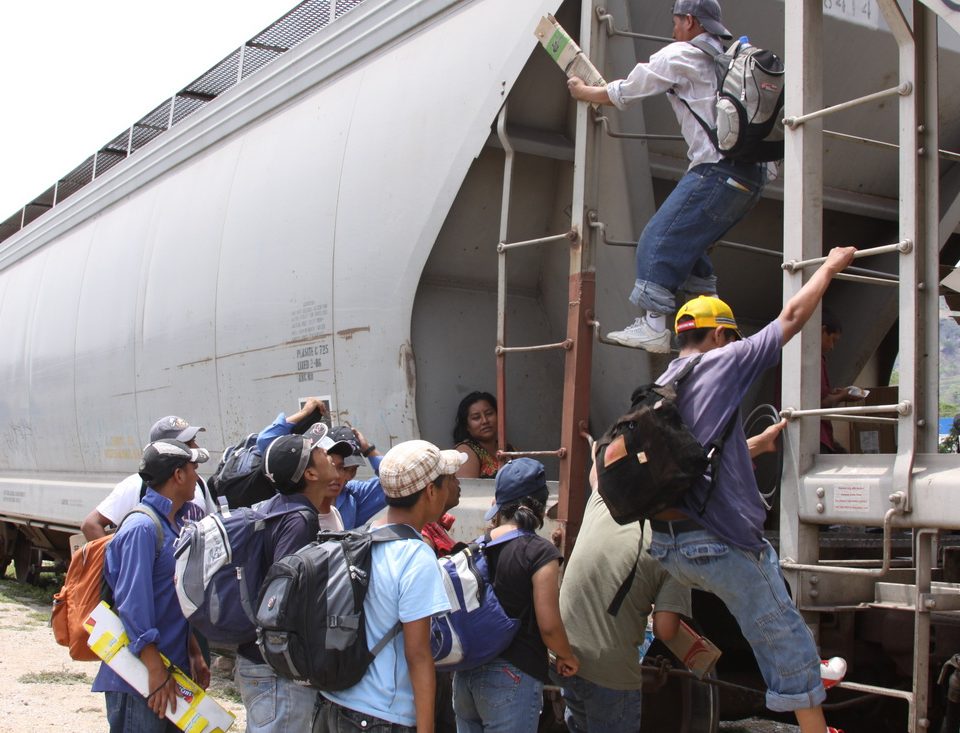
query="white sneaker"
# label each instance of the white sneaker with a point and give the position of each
(639, 335)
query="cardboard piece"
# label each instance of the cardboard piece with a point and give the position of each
(697, 653)
(195, 711)
(561, 48)
(871, 437)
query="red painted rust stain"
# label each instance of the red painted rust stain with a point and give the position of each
(347, 333)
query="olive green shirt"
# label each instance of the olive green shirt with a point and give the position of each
(605, 554)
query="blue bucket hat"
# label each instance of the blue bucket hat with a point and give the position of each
(517, 479)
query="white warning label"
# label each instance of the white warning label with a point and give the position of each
(851, 499)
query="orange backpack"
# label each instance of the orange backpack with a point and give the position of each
(81, 591)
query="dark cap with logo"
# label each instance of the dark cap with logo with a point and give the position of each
(162, 457)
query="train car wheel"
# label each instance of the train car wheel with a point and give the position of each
(24, 560)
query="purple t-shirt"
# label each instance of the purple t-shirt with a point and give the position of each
(707, 398)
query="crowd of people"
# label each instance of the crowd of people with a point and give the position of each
(582, 635)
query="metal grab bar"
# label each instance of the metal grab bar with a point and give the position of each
(904, 247)
(606, 19)
(903, 408)
(604, 122)
(874, 690)
(944, 154)
(902, 90)
(865, 419)
(559, 453)
(566, 345)
(886, 281)
(884, 568)
(854, 274)
(571, 235)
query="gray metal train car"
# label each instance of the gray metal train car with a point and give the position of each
(320, 213)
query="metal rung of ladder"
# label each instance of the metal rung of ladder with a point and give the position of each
(904, 246)
(566, 345)
(558, 453)
(901, 90)
(572, 236)
(903, 408)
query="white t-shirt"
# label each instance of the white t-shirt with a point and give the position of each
(331, 520)
(126, 495)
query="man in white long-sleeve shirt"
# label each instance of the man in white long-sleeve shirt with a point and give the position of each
(712, 196)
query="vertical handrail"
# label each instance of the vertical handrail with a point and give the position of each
(582, 295)
(802, 240)
(502, 279)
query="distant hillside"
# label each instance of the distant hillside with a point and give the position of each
(949, 367)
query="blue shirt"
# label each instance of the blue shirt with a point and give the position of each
(405, 585)
(142, 583)
(359, 501)
(710, 394)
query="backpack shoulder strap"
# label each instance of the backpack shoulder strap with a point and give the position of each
(684, 372)
(621, 595)
(485, 541)
(707, 48)
(157, 524)
(392, 532)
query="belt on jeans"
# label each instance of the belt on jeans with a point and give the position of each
(674, 527)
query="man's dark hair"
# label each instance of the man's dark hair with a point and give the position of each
(460, 433)
(404, 502)
(830, 322)
(695, 337)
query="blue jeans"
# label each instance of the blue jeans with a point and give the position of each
(752, 588)
(334, 718)
(274, 704)
(672, 251)
(592, 708)
(129, 713)
(497, 698)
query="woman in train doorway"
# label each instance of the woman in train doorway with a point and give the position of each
(475, 433)
(507, 692)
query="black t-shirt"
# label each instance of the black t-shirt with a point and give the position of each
(512, 566)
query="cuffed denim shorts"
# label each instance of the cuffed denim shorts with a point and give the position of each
(752, 587)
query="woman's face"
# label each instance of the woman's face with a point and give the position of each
(482, 421)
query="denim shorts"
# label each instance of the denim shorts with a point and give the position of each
(751, 586)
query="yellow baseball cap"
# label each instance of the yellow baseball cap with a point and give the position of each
(706, 312)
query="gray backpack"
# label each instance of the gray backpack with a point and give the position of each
(310, 616)
(749, 102)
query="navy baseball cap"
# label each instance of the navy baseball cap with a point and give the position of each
(347, 445)
(515, 480)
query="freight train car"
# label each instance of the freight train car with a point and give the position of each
(327, 212)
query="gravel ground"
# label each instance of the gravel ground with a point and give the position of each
(45, 690)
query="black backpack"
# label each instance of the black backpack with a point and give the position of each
(749, 102)
(311, 624)
(239, 477)
(649, 459)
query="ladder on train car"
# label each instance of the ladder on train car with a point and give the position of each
(917, 246)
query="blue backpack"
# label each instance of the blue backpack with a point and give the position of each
(476, 629)
(220, 567)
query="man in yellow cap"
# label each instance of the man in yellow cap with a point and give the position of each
(714, 539)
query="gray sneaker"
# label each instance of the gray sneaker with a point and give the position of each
(639, 335)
